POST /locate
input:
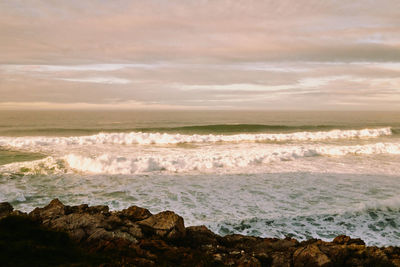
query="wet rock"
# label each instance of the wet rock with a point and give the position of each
(337, 253)
(282, 244)
(5, 209)
(86, 224)
(280, 259)
(241, 241)
(310, 255)
(196, 235)
(347, 240)
(102, 209)
(396, 262)
(101, 234)
(165, 224)
(217, 257)
(135, 237)
(18, 213)
(53, 210)
(246, 261)
(377, 257)
(134, 213)
(133, 230)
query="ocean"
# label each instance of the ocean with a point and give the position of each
(270, 174)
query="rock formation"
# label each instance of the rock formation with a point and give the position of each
(134, 237)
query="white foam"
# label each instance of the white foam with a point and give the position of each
(216, 159)
(369, 149)
(306, 204)
(46, 166)
(165, 139)
(389, 204)
(227, 158)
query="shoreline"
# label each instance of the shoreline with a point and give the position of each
(134, 237)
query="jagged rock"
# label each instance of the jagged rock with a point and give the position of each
(197, 235)
(281, 259)
(88, 209)
(79, 225)
(134, 213)
(347, 240)
(377, 257)
(241, 241)
(101, 234)
(135, 237)
(84, 223)
(165, 224)
(278, 244)
(396, 262)
(337, 253)
(53, 210)
(5, 209)
(310, 255)
(246, 261)
(18, 213)
(133, 229)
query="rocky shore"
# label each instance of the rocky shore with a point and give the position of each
(60, 235)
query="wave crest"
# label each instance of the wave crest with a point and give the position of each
(227, 160)
(141, 138)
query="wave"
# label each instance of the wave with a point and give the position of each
(215, 160)
(45, 166)
(142, 138)
(235, 128)
(9, 156)
(192, 129)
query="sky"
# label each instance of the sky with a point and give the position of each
(198, 54)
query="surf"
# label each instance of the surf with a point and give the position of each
(144, 138)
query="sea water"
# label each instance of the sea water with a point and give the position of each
(271, 174)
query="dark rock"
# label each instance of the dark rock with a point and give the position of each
(135, 237)
(282, 244)
(395, 262)
(241, 241)
(337, 253)
(280, 259)
(85, 208)
(86, 224)
(53, 210)
(246, 261)
(134, 213)
(201, 235)
(310, 255)
(18, 213)
(165, 224)
(347, 240)
(25, 242)
(377, 257)
(5, 209)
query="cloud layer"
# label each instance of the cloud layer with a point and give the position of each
(201, 54)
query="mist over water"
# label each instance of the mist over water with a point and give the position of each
(300, 174)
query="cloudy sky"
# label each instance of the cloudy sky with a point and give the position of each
(197, 54)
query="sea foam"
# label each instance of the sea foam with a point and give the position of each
(214, 159)
(242, 157)
(142, 138)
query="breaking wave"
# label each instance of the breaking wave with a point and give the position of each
(142, 138)
(240, 158)
(216, 160)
